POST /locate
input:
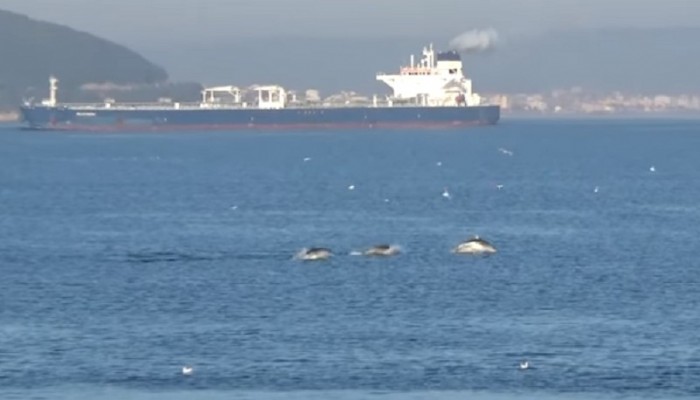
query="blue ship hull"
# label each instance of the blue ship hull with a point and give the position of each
(99, 118)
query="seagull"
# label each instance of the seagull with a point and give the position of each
(351, 187)
(446, 194)
(439, 163)
(499, 187)
(234, 207)
(652, 169)
(505, 151)
(187, 370)
(524, 365)
(307, 159)
(595, 190)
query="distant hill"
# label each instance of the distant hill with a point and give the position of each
(32, 50)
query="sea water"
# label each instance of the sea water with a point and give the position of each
(124, 257)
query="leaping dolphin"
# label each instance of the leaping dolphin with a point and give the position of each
(314, 254)
(382, 250)
(475, 245)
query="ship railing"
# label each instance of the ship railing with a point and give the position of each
(234, 106)
(131, 106)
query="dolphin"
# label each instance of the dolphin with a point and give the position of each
(382, 250)
(475, 245)
(314, 254)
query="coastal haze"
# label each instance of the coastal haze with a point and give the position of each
(633, 47)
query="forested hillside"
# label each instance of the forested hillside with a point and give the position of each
(32, 50)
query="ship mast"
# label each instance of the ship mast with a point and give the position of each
(53, 91)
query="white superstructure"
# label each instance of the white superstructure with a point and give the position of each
(436, 80)
(257, 96)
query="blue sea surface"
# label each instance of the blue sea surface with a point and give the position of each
(124, 257)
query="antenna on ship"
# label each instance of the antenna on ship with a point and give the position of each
(53, 90)
(429, 56)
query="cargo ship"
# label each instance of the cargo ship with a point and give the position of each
(432, 92)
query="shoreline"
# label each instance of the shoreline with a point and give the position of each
(9, 116)
(603, 116)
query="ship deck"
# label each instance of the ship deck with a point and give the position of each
(231, 106)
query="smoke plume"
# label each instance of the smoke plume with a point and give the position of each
(475, 41)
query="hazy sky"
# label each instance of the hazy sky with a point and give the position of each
(247, 41)
(138, 21)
